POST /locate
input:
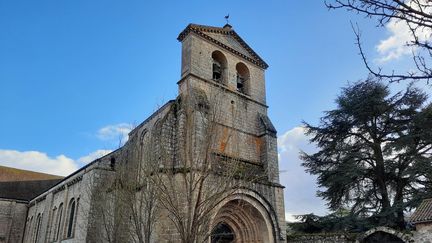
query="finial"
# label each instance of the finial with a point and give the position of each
(227, 25)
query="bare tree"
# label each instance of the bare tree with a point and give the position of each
(104, 208)
(141, 194)
(177, 171)
(204, 174)
(416, 14)
(124, 199)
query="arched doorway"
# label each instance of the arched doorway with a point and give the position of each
(382, 237)
(240, 221)
(222, 233)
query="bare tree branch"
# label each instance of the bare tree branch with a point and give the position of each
(416, 14)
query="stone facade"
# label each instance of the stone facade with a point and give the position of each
(423, 233)
(17, 187)
(49, 214)
(378, 234)
(71, 211)
(12, 220)
(243, 112)
(322, 238)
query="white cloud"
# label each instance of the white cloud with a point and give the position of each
(38, 161)
(61, 164)
(41, 162)
(289, 217)
(395, 46)
(300, 187)
(292, 139)
(94, 155)
(117, 133)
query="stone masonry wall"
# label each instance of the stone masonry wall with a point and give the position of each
(423, 233)
(12, 220)
(238, 120)
(198, 61)
(321, 238)
(76, 188)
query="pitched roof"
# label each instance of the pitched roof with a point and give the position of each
(24, 184)
(25, 190)
(226, 38)
(423, 213)
(14, 174)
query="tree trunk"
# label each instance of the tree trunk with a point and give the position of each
(381, 177)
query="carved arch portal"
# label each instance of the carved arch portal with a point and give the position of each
(242, 219)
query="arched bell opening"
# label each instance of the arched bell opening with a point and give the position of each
(219, 66)
(243, 78)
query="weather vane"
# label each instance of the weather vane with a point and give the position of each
(227, 19)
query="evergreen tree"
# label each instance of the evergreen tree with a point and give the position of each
(375, 152)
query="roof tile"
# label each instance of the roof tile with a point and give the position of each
(423, 213)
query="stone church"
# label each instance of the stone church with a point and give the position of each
(209, 156)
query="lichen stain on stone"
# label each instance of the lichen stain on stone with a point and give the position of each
(258, 144)
(223, 140)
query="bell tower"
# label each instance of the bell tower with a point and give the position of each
(218, 60)
(215, 58)
(221, 55)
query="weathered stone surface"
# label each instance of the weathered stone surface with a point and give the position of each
(12, 220)
(322, 238)
(378, 234)
(423, 233)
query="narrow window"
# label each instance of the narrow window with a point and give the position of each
(144, 149)
(157, 130)
(38, 225)
(218, 66)
(143, 138)
(242, 77)
(112, 162)
(29, 229)
(71, 218)
(59, 221)
(52, 225)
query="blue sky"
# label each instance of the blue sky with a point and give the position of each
(75, 74)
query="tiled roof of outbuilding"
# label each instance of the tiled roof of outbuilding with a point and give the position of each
(14, 174)
(423, 213)
(24, 184)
